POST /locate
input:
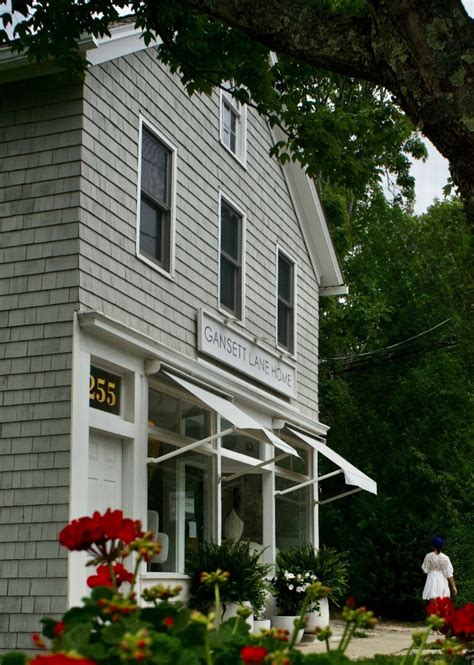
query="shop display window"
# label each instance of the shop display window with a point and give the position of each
(242, 509)
(296, 464)
(180, 488)
(292, 515)
(179, 505)
(177, 415)
(240, 443)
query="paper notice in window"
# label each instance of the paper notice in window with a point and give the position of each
(192, 530)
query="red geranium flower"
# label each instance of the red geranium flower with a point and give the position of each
(444, 608)
(38, 641)
(168, 621)
(87, 532)
(58, 628)
(462, 622)
(253, 655)
(60, 659)
(103, 578)
(351, 602)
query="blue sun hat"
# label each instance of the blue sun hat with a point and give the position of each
(437, 542)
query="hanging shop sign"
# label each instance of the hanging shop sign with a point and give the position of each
(104, 390)
(223, 343)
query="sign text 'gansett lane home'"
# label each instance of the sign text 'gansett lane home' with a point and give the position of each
(225, 344)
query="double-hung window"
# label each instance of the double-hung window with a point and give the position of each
(286, 303)
(156, 195)
(233, 126)
(231, 268)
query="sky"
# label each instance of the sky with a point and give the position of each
(430, 178)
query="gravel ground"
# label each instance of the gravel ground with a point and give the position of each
(385, 638)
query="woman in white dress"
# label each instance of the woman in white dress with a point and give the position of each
(439, 571)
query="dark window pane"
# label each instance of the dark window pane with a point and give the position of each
(151, 230)
(195, 421)
(230, 231)
(229, 128)
(163, 411)
(155, 158)
(228, 285)
(284, 325)
(285, 279)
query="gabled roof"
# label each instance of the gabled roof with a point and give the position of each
(124, 40)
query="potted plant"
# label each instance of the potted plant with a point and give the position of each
(290, 587)
(247, 581)
(330, 568)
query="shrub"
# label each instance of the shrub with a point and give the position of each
(328, 565)
(247, 575)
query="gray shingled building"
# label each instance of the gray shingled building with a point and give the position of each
(160, 277)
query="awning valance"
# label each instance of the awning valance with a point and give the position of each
(241, 420)
(352, 475)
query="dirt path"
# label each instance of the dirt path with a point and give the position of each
(385, 638)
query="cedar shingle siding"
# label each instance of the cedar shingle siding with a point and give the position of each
(68, 199)
(40, 129)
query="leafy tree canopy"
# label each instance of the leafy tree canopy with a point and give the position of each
(421, 51)
(397, 357)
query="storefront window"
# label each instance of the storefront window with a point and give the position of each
(240, 443)
(242, 509)
(292, 515)
(179, 505)
(296, 464)
(177, 415)
(180, 490)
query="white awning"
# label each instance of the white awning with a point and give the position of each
(236, 415)
(352, 475)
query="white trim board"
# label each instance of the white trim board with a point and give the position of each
(244, 392)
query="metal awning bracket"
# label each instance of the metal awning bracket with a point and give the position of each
(307, 482)
(190, 446)
(338, 496)
(257, 466)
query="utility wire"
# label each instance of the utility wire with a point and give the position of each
(387, 348)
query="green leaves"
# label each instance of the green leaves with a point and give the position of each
(407, 410)
(247, 574)
(14, 658)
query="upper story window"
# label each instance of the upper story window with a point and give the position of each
(286, 302)
(231, 265)
(155, 237)
(233, 126)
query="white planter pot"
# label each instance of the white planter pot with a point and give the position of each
(287, 623)
(261, 624)
(318, 618)
(230, 612)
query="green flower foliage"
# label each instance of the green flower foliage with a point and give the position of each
(329, 566)
(246, 580)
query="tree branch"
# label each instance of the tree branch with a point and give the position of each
(298, 29)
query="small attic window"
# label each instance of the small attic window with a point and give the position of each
(233, 126)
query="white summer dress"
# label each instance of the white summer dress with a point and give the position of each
(438, 568)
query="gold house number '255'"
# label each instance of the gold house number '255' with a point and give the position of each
(104, 390)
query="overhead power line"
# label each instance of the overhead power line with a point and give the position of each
(387, 348)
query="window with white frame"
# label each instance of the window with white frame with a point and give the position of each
(233, 126)
(293, 508)
(231, 268)
(286, 302)
(180, 495)
(156, 198)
